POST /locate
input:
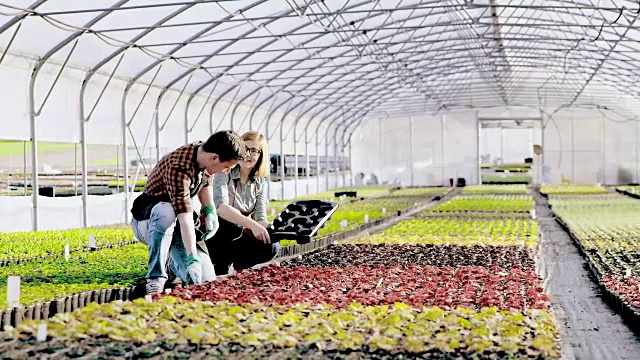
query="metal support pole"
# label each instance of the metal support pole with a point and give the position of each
(125, 154)
(282, 162)
(157, 133)
(336, 155)
(636, 137)
(295, 164)
(307, 156)
(186, 125)
(350, 163)
(326, 152)
(442, 148)
(573, 150)
(478, 165)
(381, 148)
(502, 146)
(318, 170)
(85, 183)
(117, 169)
(603, 149)
(411, 147)
(75, 168)
(24, 166)
(34, 149)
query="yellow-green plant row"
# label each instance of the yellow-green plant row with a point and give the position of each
(573, 189)
(421, 191)
(499, 203)
(495, 189)
(18, 245)
(457, 232)
(393, 328)
(633, 189)
(603, 227)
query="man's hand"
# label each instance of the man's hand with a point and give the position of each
(260, 232)
(210, 222)
(194, 269)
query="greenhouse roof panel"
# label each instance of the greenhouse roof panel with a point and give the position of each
(448, 53)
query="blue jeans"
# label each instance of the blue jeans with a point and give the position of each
(166, 251)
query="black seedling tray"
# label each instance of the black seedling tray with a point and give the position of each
(346, 193)
(301, 220)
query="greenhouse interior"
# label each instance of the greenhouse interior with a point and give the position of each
(368, 179)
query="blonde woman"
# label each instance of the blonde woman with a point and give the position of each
(241, 202)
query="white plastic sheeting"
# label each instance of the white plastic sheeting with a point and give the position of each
(445, 146)
(66, 212)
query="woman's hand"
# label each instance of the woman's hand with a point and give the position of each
(260, 232)
(264, 223)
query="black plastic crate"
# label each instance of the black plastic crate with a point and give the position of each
(301, 220)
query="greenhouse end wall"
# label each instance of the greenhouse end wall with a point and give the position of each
(588, 146)
(445, 146)
(582, 145)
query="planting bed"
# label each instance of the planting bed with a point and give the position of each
(608, 234)
(46, 279)
(573, 189)
(29, 245)
(436, 231)
(447, 287)
(346, 255)
(178, 328)
(495, 189)
(488, 203)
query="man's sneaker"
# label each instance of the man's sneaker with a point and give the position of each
(155, 287)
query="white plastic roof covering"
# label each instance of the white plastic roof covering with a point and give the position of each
(362, 58)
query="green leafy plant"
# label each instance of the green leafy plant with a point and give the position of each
(46, 279)
(457, 232)
(396, 327)
(20, 245)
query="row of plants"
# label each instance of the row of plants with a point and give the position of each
(386, 254)
(608, 233)
(495, 189)
(632, 189)
(487, 203)
(445, 231)
(25, 245)
(573, 189)
(47, 279)
(172, 327)
(416, 285)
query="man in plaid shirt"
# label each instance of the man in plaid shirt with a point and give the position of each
(177, 178)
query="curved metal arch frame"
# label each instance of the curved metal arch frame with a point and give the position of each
(279, 72)
(33, 114)
(516, 57)
(291, 66)
(297, 62)
(347, 51)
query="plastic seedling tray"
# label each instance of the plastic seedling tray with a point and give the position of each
(346, 193)
(301, 220)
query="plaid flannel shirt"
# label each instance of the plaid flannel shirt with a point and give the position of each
(177, 174)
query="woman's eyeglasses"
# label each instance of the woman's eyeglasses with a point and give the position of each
(254, 152)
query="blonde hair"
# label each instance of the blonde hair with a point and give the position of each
(261, 168)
